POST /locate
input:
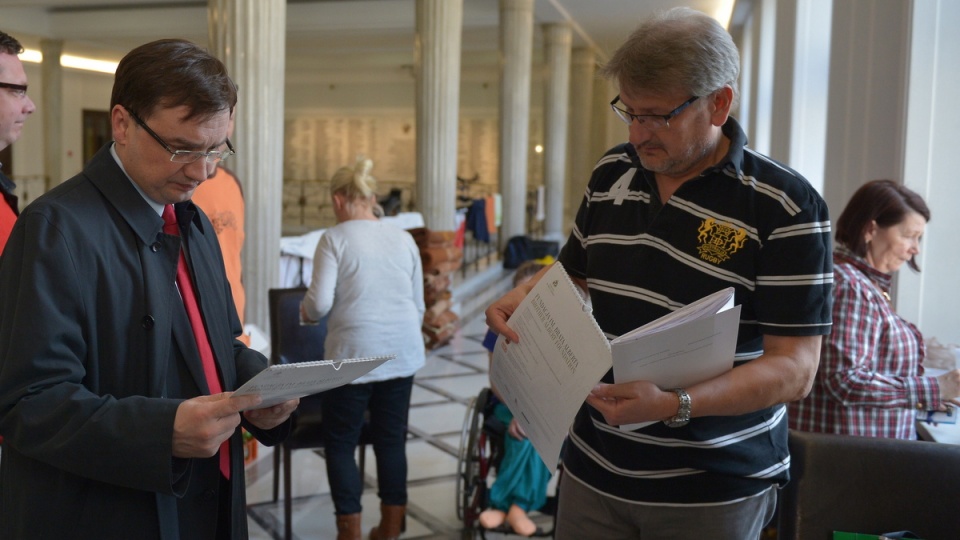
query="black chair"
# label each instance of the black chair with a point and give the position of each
(292, 342)
(869, 485)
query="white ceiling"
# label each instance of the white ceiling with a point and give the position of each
(320, 33)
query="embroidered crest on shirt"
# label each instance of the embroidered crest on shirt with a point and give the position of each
(718, 241)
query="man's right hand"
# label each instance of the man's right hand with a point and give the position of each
(501, 310)
(204, 422)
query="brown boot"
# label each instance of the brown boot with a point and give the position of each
(391, 522)
(348, 527)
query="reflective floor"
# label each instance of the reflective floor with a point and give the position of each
(453, 374)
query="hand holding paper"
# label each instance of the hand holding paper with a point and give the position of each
(545, 377)
(271, 417)
(690, 345)
(562, 354)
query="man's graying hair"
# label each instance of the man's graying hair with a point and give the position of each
(677, 50)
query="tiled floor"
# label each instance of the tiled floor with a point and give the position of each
(453, 374)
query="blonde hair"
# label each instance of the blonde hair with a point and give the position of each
(357, 185)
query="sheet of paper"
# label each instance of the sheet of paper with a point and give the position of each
(688, 353)
(283, 382)
(562, 354)
(707, 306)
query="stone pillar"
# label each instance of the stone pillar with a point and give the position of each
(437, 60)
(250, 37)
(557, 41)
(52, 107)
(516, 50)
(582, 70)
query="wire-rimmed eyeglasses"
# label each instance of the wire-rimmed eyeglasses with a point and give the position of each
(186, 156)
(652, 122)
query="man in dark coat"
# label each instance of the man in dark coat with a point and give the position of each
(110, 427)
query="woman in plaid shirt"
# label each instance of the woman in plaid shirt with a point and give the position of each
(871, 378)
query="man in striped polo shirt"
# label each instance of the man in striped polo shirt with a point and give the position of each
(680, 211)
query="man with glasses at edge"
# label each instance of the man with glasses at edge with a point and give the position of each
(680, 211)
(15, 107)
(118, 330)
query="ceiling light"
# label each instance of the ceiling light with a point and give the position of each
(70, 61)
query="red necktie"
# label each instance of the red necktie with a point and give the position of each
(199, 331)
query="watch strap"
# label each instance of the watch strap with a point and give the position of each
(682, 417)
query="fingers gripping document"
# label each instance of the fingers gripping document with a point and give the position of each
(562, 354)
(692, 344)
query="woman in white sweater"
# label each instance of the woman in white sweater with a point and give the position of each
(368, 280)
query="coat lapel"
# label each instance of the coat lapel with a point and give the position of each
(159, 254)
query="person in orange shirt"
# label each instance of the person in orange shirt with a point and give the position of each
(221, 199)
(15, 107)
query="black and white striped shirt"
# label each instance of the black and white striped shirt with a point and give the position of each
(749, 223)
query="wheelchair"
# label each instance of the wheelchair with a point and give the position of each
(480, 453)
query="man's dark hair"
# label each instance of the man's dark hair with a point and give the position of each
(883, 201)
(171, 73)
(9, 44)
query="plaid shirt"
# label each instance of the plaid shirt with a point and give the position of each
(870, 381)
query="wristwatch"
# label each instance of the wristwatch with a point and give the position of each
(683, 413)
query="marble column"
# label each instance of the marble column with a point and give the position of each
(250, 37)
(437, 61)
(582, 72)
(557, 45)
(52, 107)
(516, 50)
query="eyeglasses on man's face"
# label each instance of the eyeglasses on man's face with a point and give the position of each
(652, 122)
(186, 156)
(18, 90)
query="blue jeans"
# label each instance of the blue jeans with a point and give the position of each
(343, 408)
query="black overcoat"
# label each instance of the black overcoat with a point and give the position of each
(96, 354)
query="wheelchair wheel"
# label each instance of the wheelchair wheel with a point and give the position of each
(473, 464)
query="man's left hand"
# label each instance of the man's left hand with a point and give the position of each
(632, 402)
(271, 417)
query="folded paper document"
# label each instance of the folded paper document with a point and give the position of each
(692, 344)
(283, 382)
(562, 354)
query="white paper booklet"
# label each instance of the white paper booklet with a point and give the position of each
(692, 344)
(283, 382)
(562, 354)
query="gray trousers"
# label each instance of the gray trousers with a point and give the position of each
(584, 514)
